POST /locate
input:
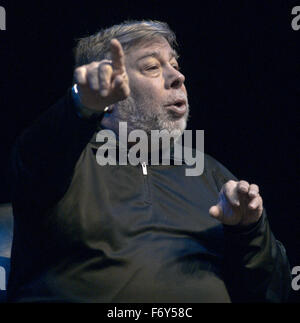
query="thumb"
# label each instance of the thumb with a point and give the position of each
(216, 212)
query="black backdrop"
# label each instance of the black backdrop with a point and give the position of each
(241, 60)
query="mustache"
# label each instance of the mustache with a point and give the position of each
(177, 99)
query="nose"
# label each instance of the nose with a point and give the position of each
(175, 79)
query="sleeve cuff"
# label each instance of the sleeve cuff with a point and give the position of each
(246, 230)
(82, 111)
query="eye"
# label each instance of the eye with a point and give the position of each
(152, 68)
(176, 67)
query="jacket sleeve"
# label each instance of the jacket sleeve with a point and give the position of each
(256, 266)
(45, 154)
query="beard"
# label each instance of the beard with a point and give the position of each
(142, 113)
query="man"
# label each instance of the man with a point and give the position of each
(90, 233)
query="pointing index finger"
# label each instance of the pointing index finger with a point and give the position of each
(117, 56)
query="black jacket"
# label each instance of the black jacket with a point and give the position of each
(90, 233)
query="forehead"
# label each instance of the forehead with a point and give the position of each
(155, 47)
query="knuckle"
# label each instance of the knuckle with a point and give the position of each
(231, 182)
(228, 186)
(243, 186)
(255, 187)
(104, 67)
(93, 65)
(243, 183)
(79, 73)
(80, 68)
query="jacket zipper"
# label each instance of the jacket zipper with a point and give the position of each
(144, 167)
(147, 194)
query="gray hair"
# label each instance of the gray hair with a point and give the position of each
(129, 33)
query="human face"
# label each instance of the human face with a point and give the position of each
(158, 97)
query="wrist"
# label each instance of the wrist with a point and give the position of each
(244, 229)
(81, 110)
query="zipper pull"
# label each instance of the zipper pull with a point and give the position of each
(144, 166)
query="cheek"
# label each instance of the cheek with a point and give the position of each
(147, 89)
(184, 89)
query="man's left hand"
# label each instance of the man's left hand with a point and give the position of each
(239, 204)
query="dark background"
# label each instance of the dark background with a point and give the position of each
(241, 60)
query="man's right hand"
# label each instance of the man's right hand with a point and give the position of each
(103, 83)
